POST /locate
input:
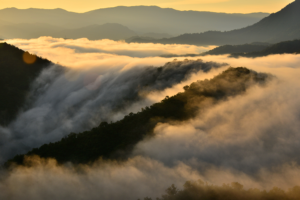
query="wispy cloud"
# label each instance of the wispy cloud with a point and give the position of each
(71, 52)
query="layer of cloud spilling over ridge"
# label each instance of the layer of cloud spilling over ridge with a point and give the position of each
(75, 99)
(252, 139)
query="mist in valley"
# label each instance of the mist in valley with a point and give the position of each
(249, 138)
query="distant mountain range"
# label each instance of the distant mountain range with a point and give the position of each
(95, 32)
(145, 21)
(92, 32)
(27, 30)
(281, 26)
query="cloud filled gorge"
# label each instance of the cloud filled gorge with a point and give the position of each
(252, 139)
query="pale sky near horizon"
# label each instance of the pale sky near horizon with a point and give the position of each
(228, 6)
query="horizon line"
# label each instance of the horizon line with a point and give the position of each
(131, 7)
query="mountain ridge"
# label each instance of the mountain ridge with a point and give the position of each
(141, 19)
(65, 10)
(277, 27)
(113, 31)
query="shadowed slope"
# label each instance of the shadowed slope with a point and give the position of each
(15, 78)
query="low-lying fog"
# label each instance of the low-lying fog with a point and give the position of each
(252, 139)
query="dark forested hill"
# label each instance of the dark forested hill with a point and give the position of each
(18, 69)
(116, 140)
(281, 26)
(257, 50)
(287, 47)
(229, 49)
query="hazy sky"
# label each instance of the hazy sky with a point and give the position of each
(229, 6)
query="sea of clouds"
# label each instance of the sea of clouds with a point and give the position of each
(252, 138)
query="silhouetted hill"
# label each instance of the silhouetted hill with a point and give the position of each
(15, 79)
(281, 26)
(111, 31)
(92, 32)
(287, 47)
(256, 49)
(229, 49)
(157, 35)
(116, 140)
(56, 17)
(149, 36)
(28, 30)
(140, 19)
(174, 22)
(226, 49)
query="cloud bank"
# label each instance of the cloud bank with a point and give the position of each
(252, 139)
(58, 49)
(74, 99)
